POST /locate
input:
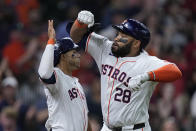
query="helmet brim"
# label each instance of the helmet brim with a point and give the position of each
(120, 28)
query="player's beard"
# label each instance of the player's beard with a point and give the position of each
(122, 51)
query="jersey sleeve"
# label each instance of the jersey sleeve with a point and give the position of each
(97, 46)
(52, 87)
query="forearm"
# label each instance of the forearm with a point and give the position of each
(46, 67)
(167, 73)
(77, 31)
(89, 126)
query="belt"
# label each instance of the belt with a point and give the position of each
(136, 126)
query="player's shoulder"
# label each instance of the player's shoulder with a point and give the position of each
(59, 73)
(148, 59)
(58, 70)
(154, 60)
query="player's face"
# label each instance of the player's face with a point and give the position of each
(122, 45)
(73, 58)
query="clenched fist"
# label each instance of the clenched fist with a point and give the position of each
(86, 17)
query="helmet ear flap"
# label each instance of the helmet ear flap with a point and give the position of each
(56, 57)
(57, 52)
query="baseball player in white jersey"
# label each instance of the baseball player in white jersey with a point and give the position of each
(65, 96)
(128, 74)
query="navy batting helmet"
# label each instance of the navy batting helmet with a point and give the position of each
(62, 46)
(135, 29)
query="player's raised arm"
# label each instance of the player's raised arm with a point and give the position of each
(84, 21)
(89, 126)
(46, 67)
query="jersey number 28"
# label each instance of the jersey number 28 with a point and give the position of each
(122, 95)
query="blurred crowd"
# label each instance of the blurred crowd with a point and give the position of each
(23, 36)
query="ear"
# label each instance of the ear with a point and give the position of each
(137, 44)
(64, 55)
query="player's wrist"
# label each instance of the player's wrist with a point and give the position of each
(80, 24)
(51, 41)
(145, 77)
(152, 76)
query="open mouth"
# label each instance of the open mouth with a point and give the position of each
(115, 44)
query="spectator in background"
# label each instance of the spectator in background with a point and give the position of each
(19, 55)
(9, 119)
(9, 93)
(9, 89)
(14, 50)
(169, 125)
(165, 104)
(190, 52)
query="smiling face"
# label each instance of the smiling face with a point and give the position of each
(122, 45)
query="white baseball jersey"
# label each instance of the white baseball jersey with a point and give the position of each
(120, 106)
(66, 104)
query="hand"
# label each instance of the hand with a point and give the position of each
(136, 81)
(51, 31)
(86, 17)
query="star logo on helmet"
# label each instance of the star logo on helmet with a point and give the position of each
(75, 46)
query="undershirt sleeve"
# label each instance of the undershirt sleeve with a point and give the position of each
(46, 67)
(167, 73)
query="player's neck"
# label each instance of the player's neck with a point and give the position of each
(133, 54)
(64, 69)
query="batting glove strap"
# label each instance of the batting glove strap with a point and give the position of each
(86, 17)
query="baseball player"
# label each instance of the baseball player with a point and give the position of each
(65, 97)
(128, 74)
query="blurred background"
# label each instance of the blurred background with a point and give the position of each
(23, 36)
